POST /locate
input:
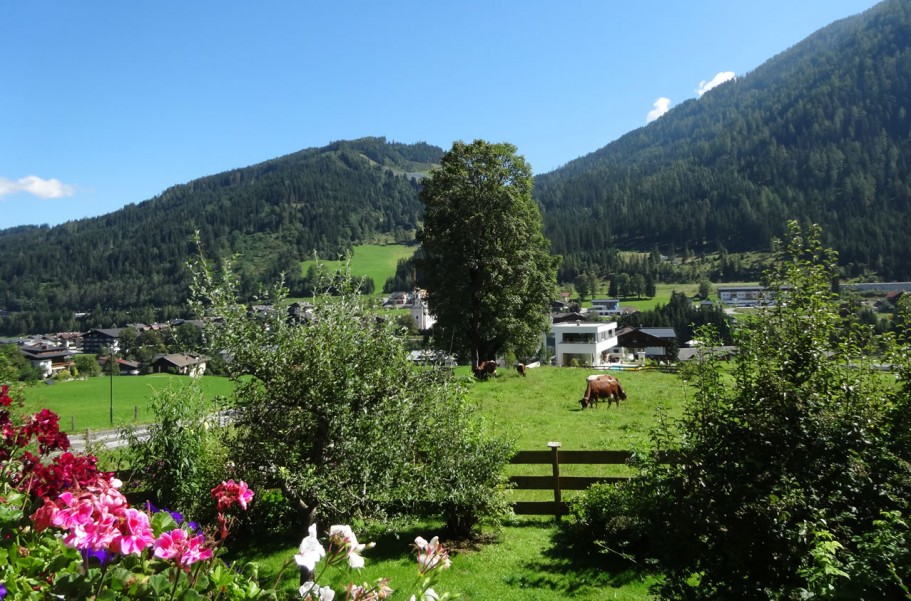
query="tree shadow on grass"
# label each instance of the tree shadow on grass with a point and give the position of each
(571, 568)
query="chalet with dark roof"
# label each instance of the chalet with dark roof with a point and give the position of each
(49, 360)
(180, 363)
(94, 341)
(653, 343)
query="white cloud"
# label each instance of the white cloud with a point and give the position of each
(720, 78)
(662, 105)
(34, 185)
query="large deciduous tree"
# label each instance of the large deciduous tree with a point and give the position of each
(487, 265)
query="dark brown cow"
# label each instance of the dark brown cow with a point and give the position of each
(485, 369)
(602, 387)
(520, 367)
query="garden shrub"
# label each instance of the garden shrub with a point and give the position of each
(794, 482)
(67, 532)
(183, 455)
(330, 411)
(608, 517)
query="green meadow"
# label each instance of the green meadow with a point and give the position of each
(525, 558)
(86, 404)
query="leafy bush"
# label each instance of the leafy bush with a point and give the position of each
(330, 412)
(795, 481)
(610, 516)
(182, 457)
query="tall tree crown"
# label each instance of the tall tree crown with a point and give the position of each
(487, 265)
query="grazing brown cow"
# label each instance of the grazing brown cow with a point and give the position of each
(520, 367)
(602, 387)
(485, 369)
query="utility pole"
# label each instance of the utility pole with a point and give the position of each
(111, 369)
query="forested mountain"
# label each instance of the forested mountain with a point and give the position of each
(821, 133)
(129, 265)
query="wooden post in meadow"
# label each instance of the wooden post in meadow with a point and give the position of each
(555, 452)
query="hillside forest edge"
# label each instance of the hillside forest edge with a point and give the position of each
(819, 133)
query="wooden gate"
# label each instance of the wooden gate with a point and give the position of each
(555, 458)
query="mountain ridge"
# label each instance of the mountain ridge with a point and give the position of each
(817, 133)
(821, 132)
(128, 265)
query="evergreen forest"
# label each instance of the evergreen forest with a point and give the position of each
(820, 133)
(130, 265)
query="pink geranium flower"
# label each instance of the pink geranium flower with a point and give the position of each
(178, 545)
(134, 533)
(230, 492)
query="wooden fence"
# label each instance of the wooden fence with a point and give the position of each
(555, 458)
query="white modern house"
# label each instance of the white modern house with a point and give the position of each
(589, 343)
(606, 306)
(744, 296)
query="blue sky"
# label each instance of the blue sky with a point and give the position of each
(108, 103)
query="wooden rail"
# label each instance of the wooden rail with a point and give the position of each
(555, 458)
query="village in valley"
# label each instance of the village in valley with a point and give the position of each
(588, 336)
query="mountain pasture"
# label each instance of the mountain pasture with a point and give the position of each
(524, 559)
(544, 407)
(374, 261)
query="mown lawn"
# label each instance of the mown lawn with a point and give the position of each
(525, 558)
(86, 404)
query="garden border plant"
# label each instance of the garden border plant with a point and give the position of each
(795, 481)
(66, 531)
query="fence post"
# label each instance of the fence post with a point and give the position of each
(555, 448)
(73, 424)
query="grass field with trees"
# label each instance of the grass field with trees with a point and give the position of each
(527, 557)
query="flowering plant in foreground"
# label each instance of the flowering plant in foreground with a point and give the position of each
(66, 531)
(315, 561)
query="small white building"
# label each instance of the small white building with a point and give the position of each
(397, 300)
(588, 343)
(419, 311)
(744, 296)
(606, 306)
